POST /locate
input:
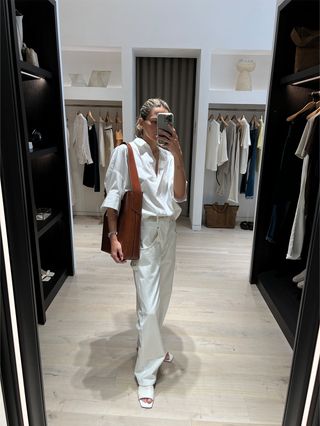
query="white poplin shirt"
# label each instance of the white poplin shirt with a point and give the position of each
(158, 191)
(80, 139)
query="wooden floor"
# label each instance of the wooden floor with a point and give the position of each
(231, 364)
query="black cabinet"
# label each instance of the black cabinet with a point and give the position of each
(296, 310)
(43, 148)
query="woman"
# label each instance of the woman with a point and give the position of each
(163, 183)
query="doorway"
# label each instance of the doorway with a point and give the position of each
(174, 80)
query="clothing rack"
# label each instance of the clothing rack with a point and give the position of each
(315, 95)
(243, 109)
(96, 109)
(91, 105)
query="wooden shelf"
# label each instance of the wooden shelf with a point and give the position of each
(36, 153)
(51, 288)
(309, 73)
(93, 93)
(33, 72)
(283, 298)
(44, 225)
(250, 97)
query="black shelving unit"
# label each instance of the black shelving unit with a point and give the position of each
(309, 74)
(29, 71)
(45, 161)
(296, 311)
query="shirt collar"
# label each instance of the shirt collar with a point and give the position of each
(140, 142)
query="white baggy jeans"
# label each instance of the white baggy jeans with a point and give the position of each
(153, 276)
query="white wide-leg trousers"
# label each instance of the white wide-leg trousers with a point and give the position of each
(153, 276)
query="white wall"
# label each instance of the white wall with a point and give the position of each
(229, 24)
(176, 28)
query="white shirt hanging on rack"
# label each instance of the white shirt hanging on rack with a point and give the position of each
(234, 164)
(80, 139)
(216, 153)
(109, 142)
(101, 142)
(245, 142)
(298, 227)
(213, 141)
(222, 155)
(260, 143)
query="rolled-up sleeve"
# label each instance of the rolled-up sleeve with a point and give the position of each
(184, 198)
(116, 180)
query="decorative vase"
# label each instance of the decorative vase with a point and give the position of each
(99, 78)
(245, 66)
(77, 80)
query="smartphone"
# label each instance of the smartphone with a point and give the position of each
(164, 120)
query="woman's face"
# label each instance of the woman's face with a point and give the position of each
(150, 124)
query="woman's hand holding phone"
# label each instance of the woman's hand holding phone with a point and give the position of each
(167, 137)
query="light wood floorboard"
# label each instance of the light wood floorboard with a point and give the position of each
(232, 362)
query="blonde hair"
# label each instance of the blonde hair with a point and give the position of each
(145, 110)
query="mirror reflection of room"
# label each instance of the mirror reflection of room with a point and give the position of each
(229, 256)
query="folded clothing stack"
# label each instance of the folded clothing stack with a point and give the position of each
(299, 279)
(46, 275)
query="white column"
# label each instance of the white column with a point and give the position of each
(129, 89)
(199, 145)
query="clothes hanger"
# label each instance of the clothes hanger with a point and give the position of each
(236, 119)
(315, 112)
(308, 106)
(118, 122)
(89, 115)
(108, 120)
(220, 118)
(211, 117)
(254, 121)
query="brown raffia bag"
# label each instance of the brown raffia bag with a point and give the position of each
(220, 216)
(129, 217)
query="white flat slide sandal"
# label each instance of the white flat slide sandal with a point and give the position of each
(169, 357)
(146, 392)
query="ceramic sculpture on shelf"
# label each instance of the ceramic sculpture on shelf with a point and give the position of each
(244, 66)
(99, 78)
(77, 80)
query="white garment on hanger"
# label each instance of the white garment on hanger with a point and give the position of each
(298, 227)
(224, 170)
(260, 144)
(222, 155)
(109, 142)
(72, 187)
(245, 142)
(101, 142)
(213, 141)
(80, 139)
(235, 168)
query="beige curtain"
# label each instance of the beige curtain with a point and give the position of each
(172, 79)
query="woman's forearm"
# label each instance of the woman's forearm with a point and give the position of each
(179, 179)
(112, 215)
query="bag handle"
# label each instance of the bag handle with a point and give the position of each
(133, 173)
